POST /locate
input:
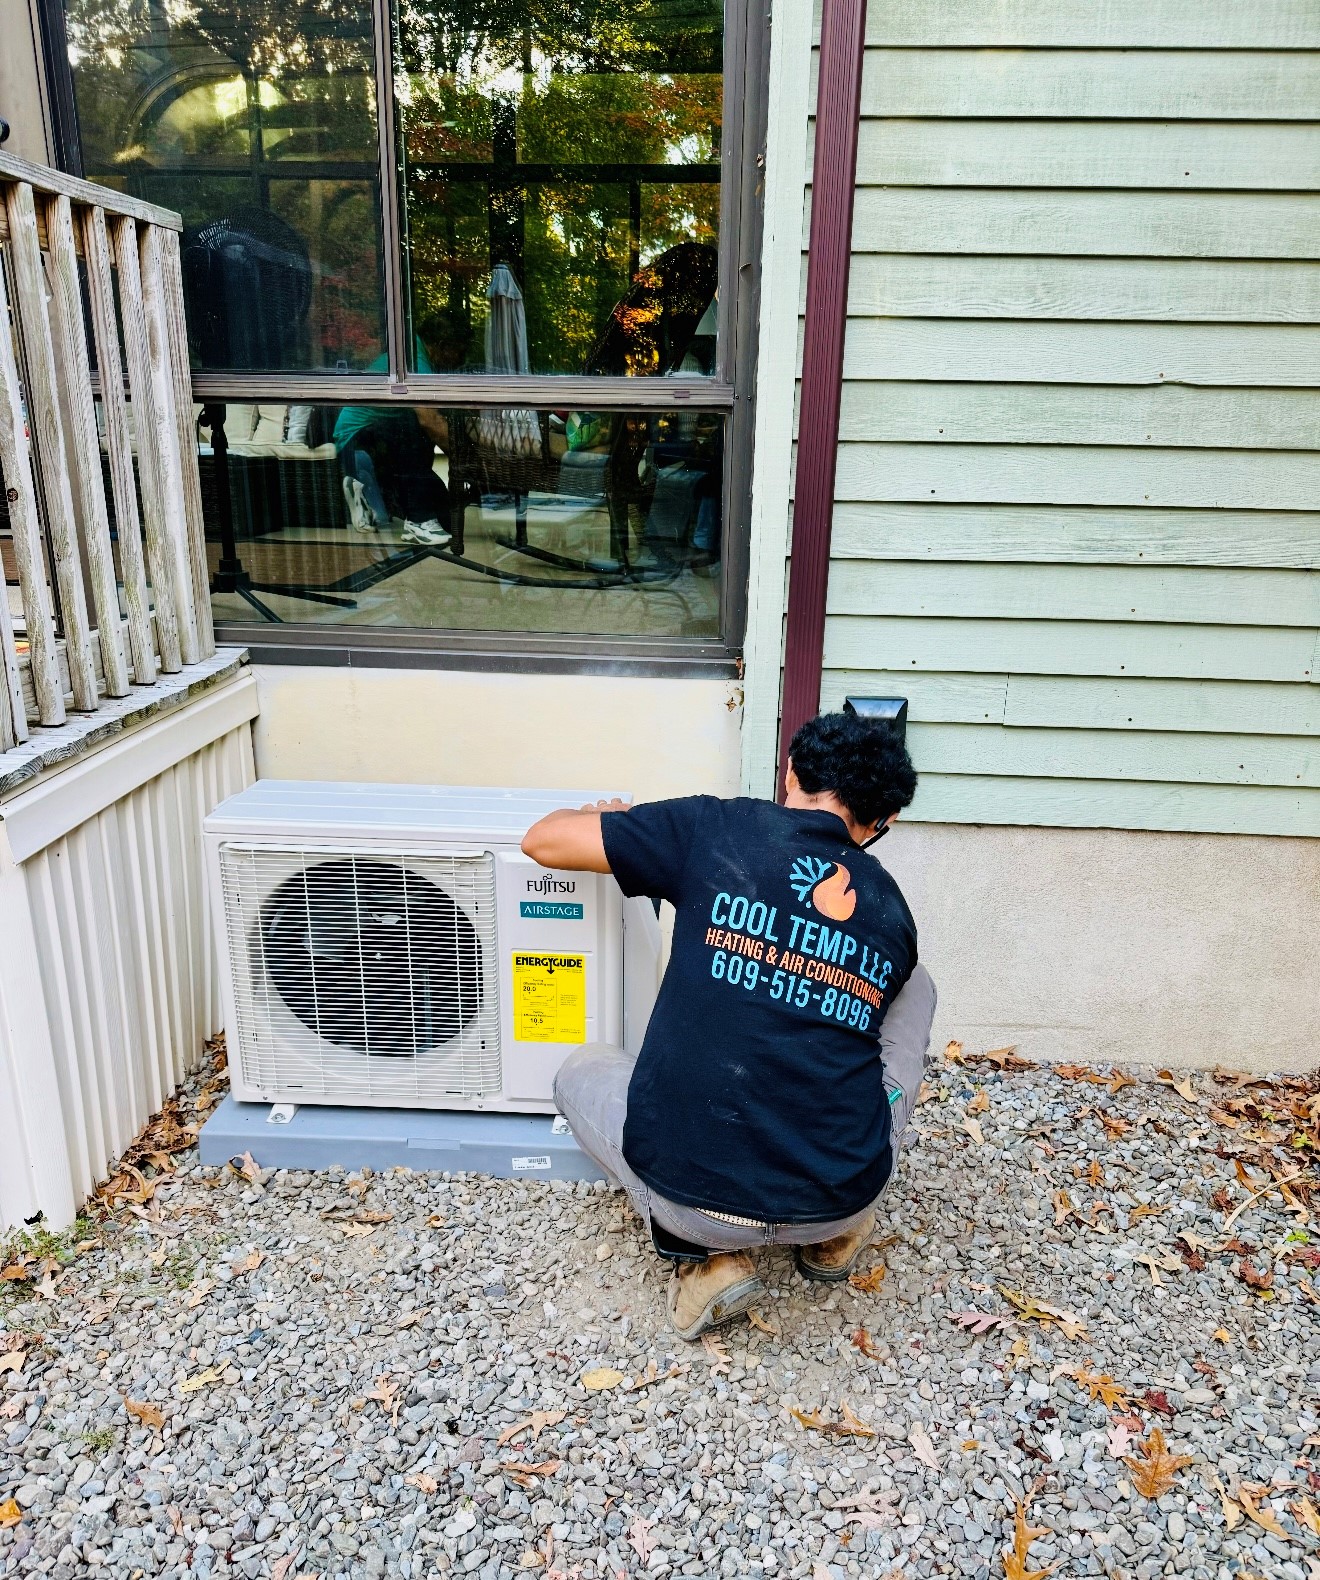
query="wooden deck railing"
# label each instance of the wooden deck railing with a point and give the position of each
(75, 640)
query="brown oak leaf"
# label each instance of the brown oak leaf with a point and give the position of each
(1017, 1563)
(1154, 1473)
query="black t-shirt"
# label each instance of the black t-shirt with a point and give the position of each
(759, 1089)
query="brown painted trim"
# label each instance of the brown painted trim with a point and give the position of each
(833, 180)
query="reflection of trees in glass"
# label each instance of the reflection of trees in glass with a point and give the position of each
(574, 140)
(249, 103)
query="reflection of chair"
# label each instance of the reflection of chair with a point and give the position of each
(649, 333)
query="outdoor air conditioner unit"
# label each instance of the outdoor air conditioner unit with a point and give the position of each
(390, 946)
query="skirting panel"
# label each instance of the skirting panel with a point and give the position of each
(112, 919)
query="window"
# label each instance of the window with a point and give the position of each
(468, 332)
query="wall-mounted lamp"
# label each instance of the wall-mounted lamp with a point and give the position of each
(880, 710)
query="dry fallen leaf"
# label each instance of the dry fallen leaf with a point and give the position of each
(198, 1293)
(759, 1322)
(1114, 1126)
(528, 1475)
(848, 1425)
(1119, 1439)
(422, 1481)
(1095, 1174)
(1007, 1059)
(10, 1513)
(980, 1103)
(1030, 1310)
(1261, 1513)
(1153, 1474)
(1223, 1335)
(1153, 1264)
(640, 1539)
(1232, 1512)
(536, 1423)
(1181, 1084)
(245, 1166)
(1016, 1560)
(148, 1414)
(247, 1264)
(980, 1321)
(973, 1129)
(868, 1283)
(1304, 1512)
(1117, 1081)
(13, 1361)
(1256, 1281)
(601, 1378)
(1063, 1207)
(1142, 1210)
(1103, 1387)
(720, 1361)
(1079, 1072)
(953, 1052)
(201, 1380)
(386, 1394)
(411, 1318)
(922, 1446)
(355, 1231)
(861, 1340)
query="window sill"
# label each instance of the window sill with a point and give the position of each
(495, 653)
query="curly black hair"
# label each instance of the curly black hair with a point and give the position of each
(863, 762)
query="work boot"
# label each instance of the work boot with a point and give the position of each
(702, 1295)
(832, 1260)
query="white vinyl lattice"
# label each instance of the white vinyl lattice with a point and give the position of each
(363, 976)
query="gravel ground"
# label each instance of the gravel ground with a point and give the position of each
(299, 1375)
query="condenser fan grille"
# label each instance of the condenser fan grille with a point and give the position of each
(367, 975)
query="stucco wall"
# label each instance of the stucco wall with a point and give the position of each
(1093, 945)
(651, 737)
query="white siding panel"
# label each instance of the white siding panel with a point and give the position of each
(125, 952)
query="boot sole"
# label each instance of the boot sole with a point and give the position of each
(722, 1308)
(826, 1275)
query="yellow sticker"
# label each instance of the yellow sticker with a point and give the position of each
(549, 998)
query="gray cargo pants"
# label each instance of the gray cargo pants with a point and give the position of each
(591, 1092)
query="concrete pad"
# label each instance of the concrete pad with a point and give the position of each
(509, 1146)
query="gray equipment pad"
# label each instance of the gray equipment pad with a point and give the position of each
(509, 1146)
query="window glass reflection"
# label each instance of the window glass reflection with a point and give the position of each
(573, 150)
(257, 122)
(604, 523)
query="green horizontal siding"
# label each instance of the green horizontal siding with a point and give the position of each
(1095, 24)
(1251, 85)
(1077, 534)
(988, 220)
(1078, 485)
(1040, 352)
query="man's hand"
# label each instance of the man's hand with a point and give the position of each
(570, 838)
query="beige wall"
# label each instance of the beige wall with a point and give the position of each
(1097, 945)
(651, 737)
(21, 95)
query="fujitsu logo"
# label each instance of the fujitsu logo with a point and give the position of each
(549, 885)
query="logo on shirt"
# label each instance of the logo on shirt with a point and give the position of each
(825, 886)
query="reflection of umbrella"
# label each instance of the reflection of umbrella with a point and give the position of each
(509, 431)
(506, 324)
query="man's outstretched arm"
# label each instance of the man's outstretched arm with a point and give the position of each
(570, 838)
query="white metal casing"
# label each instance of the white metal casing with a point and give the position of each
(466, 840)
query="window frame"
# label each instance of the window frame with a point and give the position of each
(731, 389)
